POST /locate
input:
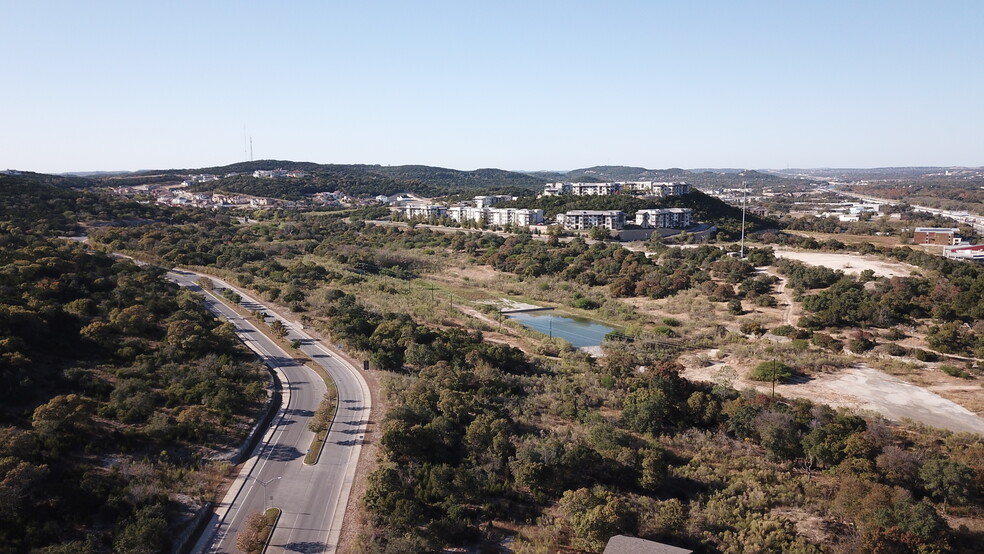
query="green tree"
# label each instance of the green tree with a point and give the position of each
(653, 469)
(278, 328)
(595, 515)
(767, 371)
(62, 421)
(948, 480)
(647, 410)
(144, 533)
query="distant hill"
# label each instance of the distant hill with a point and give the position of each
(625, 173)
(61, 181)
(38, 207)
(439, 176)
(355, 179)
(710, 178)
(366, 179)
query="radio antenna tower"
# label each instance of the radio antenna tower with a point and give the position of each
(250, 148)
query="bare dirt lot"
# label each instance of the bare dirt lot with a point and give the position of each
(858, 388)
(877, 240)
(849, 263)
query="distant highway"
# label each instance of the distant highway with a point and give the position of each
(975, 221)
(313, 498)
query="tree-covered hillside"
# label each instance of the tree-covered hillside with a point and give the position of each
(115, 387)
(352, 179)
(114, 384)
(32, 205)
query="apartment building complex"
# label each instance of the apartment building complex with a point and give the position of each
(496, 216)
(664, 218)
(425, 211)
(487, 201)
(484, 216)
(655, 188)
(587, 219)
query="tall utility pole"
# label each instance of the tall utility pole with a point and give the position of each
(744, 197)
(773, 378)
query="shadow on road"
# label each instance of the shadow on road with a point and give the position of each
(282, 453)
(306, 547)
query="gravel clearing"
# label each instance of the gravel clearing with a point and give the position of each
(849, 263)
(896, 399)
(857, 388)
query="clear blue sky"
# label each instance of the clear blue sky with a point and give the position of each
(531, 84)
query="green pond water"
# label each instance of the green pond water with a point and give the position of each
(578, 331)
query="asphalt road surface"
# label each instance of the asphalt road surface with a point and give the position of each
(312, 497)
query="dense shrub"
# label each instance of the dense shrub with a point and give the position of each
(767, 371)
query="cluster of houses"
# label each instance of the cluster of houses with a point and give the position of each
(211, 200)
(640, 188)
(481, 211)
(279, 173)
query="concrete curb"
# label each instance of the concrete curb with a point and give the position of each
(273, 527)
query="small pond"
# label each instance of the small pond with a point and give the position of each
(578, 331)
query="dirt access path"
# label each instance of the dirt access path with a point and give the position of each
(785, 299)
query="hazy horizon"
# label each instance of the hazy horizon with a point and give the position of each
(691, 169)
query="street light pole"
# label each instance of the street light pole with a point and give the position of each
(264, 485)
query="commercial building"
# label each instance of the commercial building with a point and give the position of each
(971, 253)
(936, 235)
(587, 219)
(664, 218)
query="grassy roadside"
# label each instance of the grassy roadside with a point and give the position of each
(270, 519)
(321, 424)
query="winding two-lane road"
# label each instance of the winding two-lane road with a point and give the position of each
(312, 497)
